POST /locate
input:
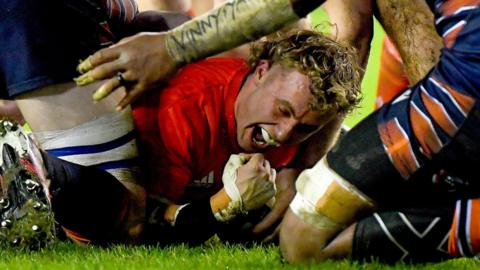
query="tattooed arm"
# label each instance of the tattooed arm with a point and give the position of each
(148, 58)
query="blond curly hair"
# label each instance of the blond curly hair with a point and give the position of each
(332, 67)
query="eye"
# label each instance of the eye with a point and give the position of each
(284, 111)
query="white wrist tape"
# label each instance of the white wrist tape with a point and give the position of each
(229, 177)
(326, 200)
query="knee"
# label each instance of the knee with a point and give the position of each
(299, 242)
(294, 253)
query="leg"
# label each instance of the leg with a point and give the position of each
(81, 205)
(303, 242)
(306, 238)
(61, 115)
(465, 233)
(76, 194)
(413, 235)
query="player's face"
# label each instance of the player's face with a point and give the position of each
(272, 109)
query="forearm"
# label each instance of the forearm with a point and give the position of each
(191, 223)
(352, 23)
(413, 33)
(233, 24)
(318, 145)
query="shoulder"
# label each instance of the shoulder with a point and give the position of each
(210, 71)
(197, 86)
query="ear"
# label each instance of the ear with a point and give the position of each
(261, 69)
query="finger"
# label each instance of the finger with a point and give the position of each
(271, 173)
(266, 166)
(126, 39)
(105, 89)
(119, 89)
(271, 218)
(107, 70)
(109, 86)
(130, 97)
(98, 58)
(270, 238)
(273, 177)
(256, 165)
(256, 159)
(103, 71)
(245, 157)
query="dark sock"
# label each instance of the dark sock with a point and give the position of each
(86, 200)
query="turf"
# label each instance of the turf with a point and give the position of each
(215, 256)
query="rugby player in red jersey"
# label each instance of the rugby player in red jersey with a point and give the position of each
(290, 90)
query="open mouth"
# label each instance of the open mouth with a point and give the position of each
(262, 138)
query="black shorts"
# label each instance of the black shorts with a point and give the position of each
(360, 158)
(410, 235)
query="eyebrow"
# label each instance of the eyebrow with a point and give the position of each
(289, 106)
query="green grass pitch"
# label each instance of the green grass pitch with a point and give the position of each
(213, 256)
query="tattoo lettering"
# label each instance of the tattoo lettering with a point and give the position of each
(227, 26)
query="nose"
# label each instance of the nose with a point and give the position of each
(284, 131)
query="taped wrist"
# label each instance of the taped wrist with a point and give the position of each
(225, 209)
(227, 203)
(226, 27)
(326, 200)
